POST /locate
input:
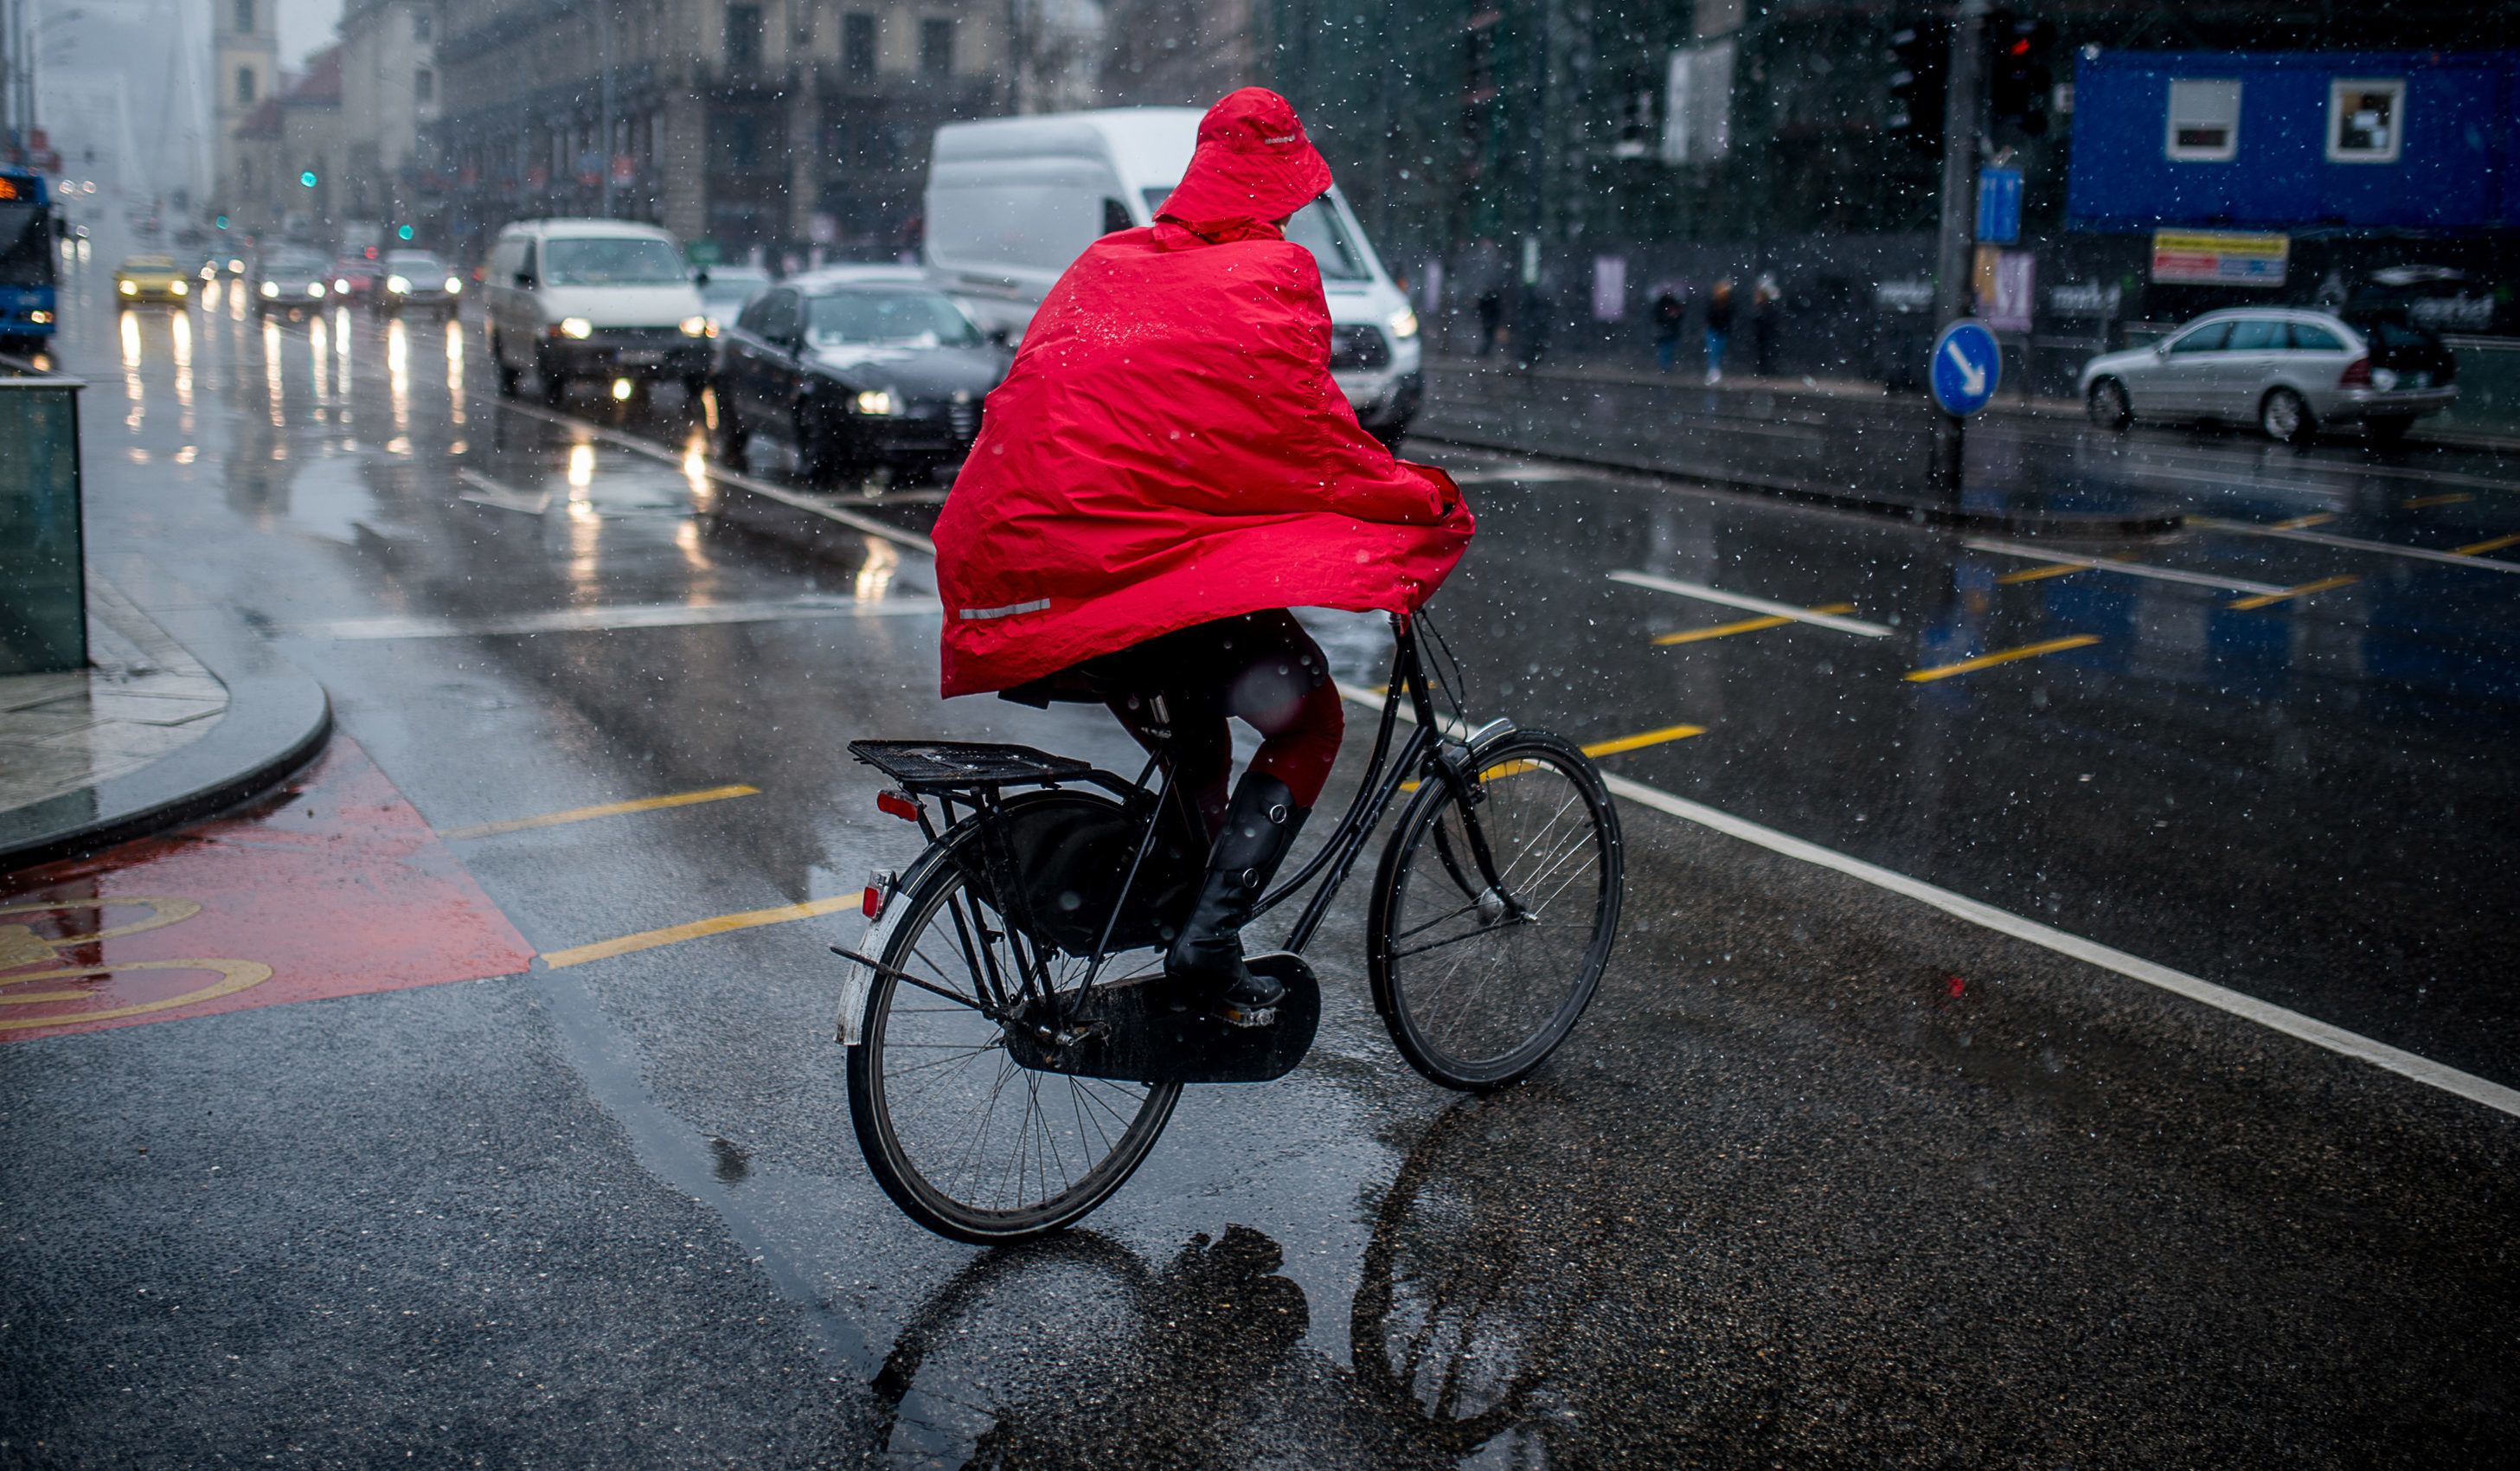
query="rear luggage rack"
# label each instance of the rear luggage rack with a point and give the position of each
(967, 765)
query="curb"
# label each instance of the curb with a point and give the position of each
(277, 721)
(2071, 524)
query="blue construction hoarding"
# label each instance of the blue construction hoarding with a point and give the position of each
(2296, 141)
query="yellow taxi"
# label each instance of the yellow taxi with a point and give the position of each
(150, 278)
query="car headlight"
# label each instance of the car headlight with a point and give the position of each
(454, 287)
(179, 288)
(694, 326)
(271, 288)
(343, 284)
(397, 284)
(40, 317)
(875, 401)
(578, 327)
(1404, 323)
(315, 289)
(127, 288)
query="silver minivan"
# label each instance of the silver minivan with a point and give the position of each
(2287, 370)
(600, 298)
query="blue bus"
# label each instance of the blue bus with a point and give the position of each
(29, 261)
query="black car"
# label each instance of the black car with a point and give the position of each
(875, 369)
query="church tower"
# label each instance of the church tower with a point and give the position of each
(244, 72)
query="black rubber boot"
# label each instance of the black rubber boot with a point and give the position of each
(1207, 957)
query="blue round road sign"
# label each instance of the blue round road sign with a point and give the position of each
(1966, 364)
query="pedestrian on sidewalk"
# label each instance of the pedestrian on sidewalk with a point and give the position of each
(1764, 301)
(1669, 312)
(1491, 317)
(1531, 327)
(1719, 328)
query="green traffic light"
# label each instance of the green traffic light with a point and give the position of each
(307, 178)
(223, 221)
(404, 232)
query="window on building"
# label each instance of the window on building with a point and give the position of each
(2204, 121)
(936, 47)
(423, 85)
(419, 26)
(245, 17)
(743, 38)
(2366, 121)
(857, 44)
(244, 86)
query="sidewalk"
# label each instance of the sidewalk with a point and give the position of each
(164, 728)
(1834, 442)
(1636, 370)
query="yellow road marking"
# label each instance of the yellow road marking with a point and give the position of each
(2494, 544)
(1596, 749)
(2303, 523)
(607, 809)
(1640, 742)
(2457, 498)
(2265, 599)
(2051, 569)
(2003, 656)
(1745, 626)
(697, 929)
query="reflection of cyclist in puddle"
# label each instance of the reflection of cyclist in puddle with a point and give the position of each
(1490, 1320)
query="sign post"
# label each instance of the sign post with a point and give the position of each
(1963, 116)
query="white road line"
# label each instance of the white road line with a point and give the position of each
(1533, 474)
(719, 473)
(633, 616)
(1748, 604)
(2354, 544)
(2129, 568)
(2290, 1023)
(2293, 1024)
(490, 492)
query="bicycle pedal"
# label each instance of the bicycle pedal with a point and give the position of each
(1256, 1016)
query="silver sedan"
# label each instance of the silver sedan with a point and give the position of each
(2286, 370)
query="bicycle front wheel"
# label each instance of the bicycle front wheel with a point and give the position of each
(968, 1143)
(1479, 980)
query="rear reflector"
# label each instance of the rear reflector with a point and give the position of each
(900, 805)
(873, 903)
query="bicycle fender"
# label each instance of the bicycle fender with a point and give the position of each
(856, 980)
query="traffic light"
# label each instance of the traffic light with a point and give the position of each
(2017, 78)
(307, 178)
(403, 234)
(222, 221)
(1920, 55)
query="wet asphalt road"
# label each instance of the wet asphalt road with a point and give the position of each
(1826, 1176)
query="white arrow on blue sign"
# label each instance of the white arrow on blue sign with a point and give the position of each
(1966, 365)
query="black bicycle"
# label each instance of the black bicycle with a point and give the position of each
(1012, 1049)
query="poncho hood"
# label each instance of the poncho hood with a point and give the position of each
(1253, 164)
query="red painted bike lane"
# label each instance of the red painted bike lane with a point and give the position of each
(334, 886)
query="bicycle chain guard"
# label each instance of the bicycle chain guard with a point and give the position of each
(1125, 1030)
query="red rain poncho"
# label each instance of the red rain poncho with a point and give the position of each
(1169, 448)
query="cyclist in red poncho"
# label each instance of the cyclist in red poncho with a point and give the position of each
(1167, 469)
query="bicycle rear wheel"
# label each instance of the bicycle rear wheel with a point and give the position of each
(966, 1142)
(1478, 984)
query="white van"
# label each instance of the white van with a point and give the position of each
(603, 298)
(1013, 201)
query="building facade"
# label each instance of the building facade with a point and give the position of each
(245, 75)
(748, 127)
(389, 105)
